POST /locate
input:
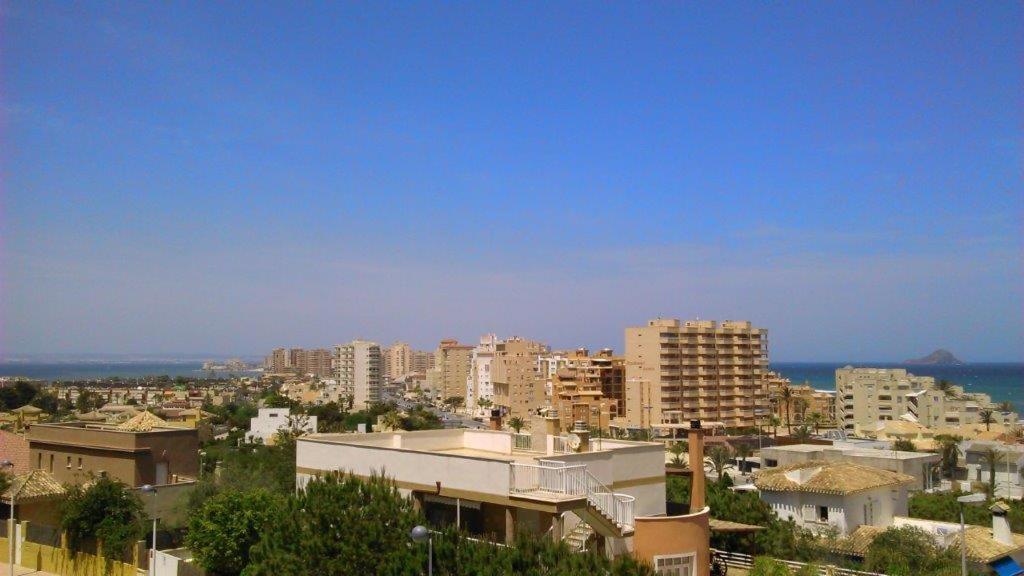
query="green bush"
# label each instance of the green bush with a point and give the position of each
(766, 566)
(222, 531)
(106, 511)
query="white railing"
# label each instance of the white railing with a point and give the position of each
(560, 445)
(572, 480)
(744, 562)
(522, 441)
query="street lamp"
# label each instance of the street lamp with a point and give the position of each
(419, 534)
(150, 489)
(10, 521)
(975, 498)
(202, 457)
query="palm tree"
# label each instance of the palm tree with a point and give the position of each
(800, 405)
(815, 419)
(516, 423)
(987, 417)
(947, 388)
(803, 433)
(485, 404)
(775, 422)
(677, 451)
(949, 452)
(743, 452)
(391, 420)
(787, 401)
(719, 457)
(1005, 406)
(990, 458)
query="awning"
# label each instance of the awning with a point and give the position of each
(1007, 566)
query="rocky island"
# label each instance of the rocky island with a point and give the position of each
(939, 357)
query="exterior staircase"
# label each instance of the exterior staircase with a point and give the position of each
(578, 538)
(608, 513)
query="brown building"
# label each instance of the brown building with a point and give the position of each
(143, 450)
(316, 361)
(804, 402)
(518, 388)
(588, 388)
(397, 361)
(451, 362)
(696, 370)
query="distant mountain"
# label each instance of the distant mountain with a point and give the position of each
(939, 357)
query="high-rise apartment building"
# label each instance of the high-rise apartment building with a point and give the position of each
(397, 361)
(698, 369)
(867, 396)
(421, 361)
(478, 383)
(518, 387)
(588, 388)
(451, 361)
(277, 361)
(358, 368)
(300, 361)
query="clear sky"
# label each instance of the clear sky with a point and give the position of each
(230, 177)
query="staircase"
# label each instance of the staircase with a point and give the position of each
(608, 513)
(578, 538)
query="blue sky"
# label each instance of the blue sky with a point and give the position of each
(226, 178)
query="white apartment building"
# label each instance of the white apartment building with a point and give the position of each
(840, 496)
(920, 465)
(1008, 463)
(269, 421)
(599, 494)
(478, 383)
(866, 396)
(358, 368)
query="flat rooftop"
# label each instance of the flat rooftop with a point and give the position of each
(861, 452)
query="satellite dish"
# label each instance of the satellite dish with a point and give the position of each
(574, 441)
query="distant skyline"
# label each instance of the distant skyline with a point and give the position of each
(227, 179)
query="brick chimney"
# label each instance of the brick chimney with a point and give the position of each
(695, 437)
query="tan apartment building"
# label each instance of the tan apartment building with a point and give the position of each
(451, 364)
(358, 369)
(518, 388)
(421, 361)
(300, 361)
(137, 452)
(587, 388)
(804, 401)
(695, 370)
(397, 361)
(867, 396)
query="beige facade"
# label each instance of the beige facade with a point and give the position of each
(804, 401)
(452, 361)
(358, 369)
(587, 388)
(867, 396)
(696, 370)
(421, 361)
(300, 361)
(518, 388)
(397, 361)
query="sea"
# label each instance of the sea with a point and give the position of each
(1002, 381)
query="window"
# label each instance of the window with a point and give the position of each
(822, 513)
(68, 465)
(51, 463)
(674, 565)
(771, 462)
(39, 461)
(79, 462)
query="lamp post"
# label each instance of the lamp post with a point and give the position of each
(202, 458)
(419, 534)
(150, 489)
(10, 521)
(975, 498)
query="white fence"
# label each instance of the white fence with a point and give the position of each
(737, 560)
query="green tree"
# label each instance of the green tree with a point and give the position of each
(949, 452)
(392, 420)
(991, 458)
(904, 445)
(787, 401)
(800, 405)
(775, 423)
(718, 458)
(48, 403)
(767, 566)
(454, 402)
(815, 420)
(516, 423)
(802, 433)
(106, 511)
(888, 554)
(743, 451)
(677, 449)
(947, 388)
(221, 532)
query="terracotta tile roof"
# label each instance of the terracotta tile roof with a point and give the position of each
(35, 485)
(827, 478)
(27, 409)
(717, 525)
(981, 547)
(94, 416)
(14, 447)
(143, 422)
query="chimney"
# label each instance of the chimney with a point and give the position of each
(695, 437)
(580, 429)
(1001, 523)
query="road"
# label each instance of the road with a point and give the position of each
(450, 419)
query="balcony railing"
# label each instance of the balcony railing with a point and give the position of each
(572, 480)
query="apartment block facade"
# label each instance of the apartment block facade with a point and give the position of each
(451, 366)
(358, 367)
(867, 396)
(397, 361)
(518, 388)
(588, 389)
(317, 361)
(478, 383)
(681, 371)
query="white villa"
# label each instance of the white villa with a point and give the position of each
(608, 494)
(825, 496)
(270, 421)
